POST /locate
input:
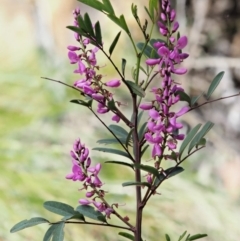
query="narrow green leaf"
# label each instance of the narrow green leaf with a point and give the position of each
(89, 212)
(184, 97)
(58, 233)
(108, 6)
(81, 102)
(214, 84)
(148, 13)
(89, 25)
(170, 172)
(142, 130)
(202, 142)
(188, 138)
(144, 149)
(120, 163)
(147, 168)
(115, 19)
(94, 4)
(129, 138)
(152, 8)
(77, 30)
(59, 208)
(148, 51)
(76, 215)
(98, 33)
(118, 131)
(125, 184)
(123, 23)
(110, 141)
(139, 117)
(127, 235)
(205, 129)
(143, 70)
(182, 236)
(135, 88)
(197, 236)
(114, 151)
(28, 223)
(124, 62)
(167, 237)
(48, 235)
(187, 237)
(173, 171)
(194, 99)
(114, 43)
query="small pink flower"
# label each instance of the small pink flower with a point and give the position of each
(116, 118)
(113, 83)
(84, 202)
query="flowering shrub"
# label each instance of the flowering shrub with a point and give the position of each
(161, 133)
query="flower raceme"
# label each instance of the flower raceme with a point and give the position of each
(83, 171)
(163, 126)
(91, 84)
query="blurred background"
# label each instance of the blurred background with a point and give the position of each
(38, 124)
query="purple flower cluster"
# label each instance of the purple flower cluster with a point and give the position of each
(91, 84)
(163, 127)
(83, 171)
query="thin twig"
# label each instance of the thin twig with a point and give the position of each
(112, 134)
(210, 101)
(60, 82)
(97, 224)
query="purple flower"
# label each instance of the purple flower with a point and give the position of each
(113, 83)
(116, 118)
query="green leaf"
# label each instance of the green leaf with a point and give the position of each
(89, 212)
(147, 168)
(124, 62)
(167, 237)
(77, 30)
(125, 184)
(81, 24)
(144, 149)
(214, 84)
(202, 142)
(59, 208)
(98, 33)
(135, 88)
(76, 215)
(110, 141)
(58, 233)
(28, 223)
(139, 117)
(205, 129)
(143, 70)
(110, 150)
(148, 51)
(89, 25)
(148, 14)
(188, 138)
(114, 43)
(142, 130)
(194, 99)
(184, 97)
(81, 102)
(108, 6)
(118, 131)
(94, 4)
(182, 236)
(153, 5)
(129, 138)
(48, 235)
(127, 235)
(173, 171)
(197, 236)
(170, 172)
(123, 23)
(120, 163)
